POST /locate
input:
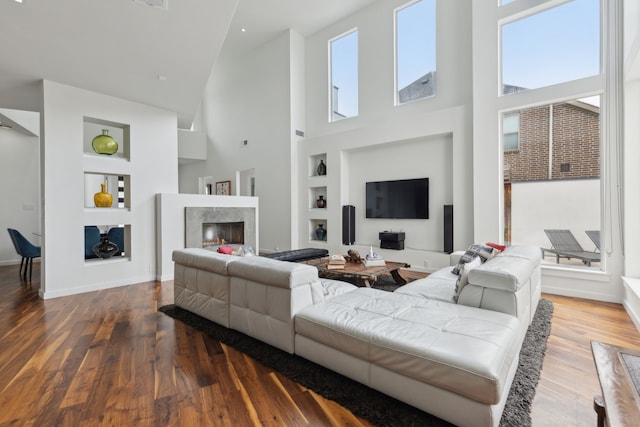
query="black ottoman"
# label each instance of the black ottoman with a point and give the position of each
(298, 255)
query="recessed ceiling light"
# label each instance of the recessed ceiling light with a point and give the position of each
(162, 78)
(19, 1)
(244, 30)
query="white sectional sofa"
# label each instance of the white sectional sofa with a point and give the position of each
(453, 359)
(254, 295)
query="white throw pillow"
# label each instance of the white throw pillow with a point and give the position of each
(463, 279)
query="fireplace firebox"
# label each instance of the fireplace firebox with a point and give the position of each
(216, 234)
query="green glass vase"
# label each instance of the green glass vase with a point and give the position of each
(104, 144)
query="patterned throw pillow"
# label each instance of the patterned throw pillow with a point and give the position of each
(476, 250)
(463, 279)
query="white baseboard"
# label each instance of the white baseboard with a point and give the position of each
(94, 287)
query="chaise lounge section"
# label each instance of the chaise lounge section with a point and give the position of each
(451, 355)
(452, 361)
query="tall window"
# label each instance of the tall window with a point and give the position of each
(557, 45)
(415, 51)
(552, 151)
(343, 87)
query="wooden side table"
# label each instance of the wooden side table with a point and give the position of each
(619, 374)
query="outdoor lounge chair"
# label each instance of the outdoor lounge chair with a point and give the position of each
(594, 235)
(565, 245)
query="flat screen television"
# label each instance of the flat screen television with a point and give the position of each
(400, 199)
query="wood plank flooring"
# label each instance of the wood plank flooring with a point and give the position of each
(109, 358)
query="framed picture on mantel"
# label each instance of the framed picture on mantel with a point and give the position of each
(223, 188)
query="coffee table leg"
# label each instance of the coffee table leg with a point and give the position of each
(398, 278)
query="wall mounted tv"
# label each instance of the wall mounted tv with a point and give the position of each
(400, 199)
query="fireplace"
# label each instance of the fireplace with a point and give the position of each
(216, 234)
(211, 227)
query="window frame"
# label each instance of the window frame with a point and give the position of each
(504, 134)
(396, 89)
(331, 85)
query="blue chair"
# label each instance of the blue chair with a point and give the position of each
(91, 238)
(26, 250)
(116, 235)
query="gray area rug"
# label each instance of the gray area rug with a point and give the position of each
(378, 408)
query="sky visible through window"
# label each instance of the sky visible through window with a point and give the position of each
(416, 41)
(344, 76)
(554, 46)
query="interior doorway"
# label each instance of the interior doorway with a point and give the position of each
(20, 174)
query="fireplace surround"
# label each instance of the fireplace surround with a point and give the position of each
(211, 227)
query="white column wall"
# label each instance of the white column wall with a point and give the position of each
(153, 169)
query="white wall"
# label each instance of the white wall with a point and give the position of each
(419, 158)
(251, 99)
(20, 190)
(152, 167)
(560, 204)
(430, 137)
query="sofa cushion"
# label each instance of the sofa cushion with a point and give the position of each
(497, 246)
(204, 260)
(273, 272)
(532, 253)
(326, 289)
(439, 285)
(227, 250)
(503, 272)
(476, 250)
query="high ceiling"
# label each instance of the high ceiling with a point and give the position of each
(141, 53)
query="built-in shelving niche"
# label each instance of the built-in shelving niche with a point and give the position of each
(313, 226)
(118, 185)
(121, 132)
(115, 172)
(314, 162)
(314, 194)
(118, 233)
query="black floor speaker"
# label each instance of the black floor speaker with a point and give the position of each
(448, 228)
(348, 225)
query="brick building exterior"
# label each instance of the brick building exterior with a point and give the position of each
(575, 143)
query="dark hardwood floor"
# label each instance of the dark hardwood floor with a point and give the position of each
(110, 358)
